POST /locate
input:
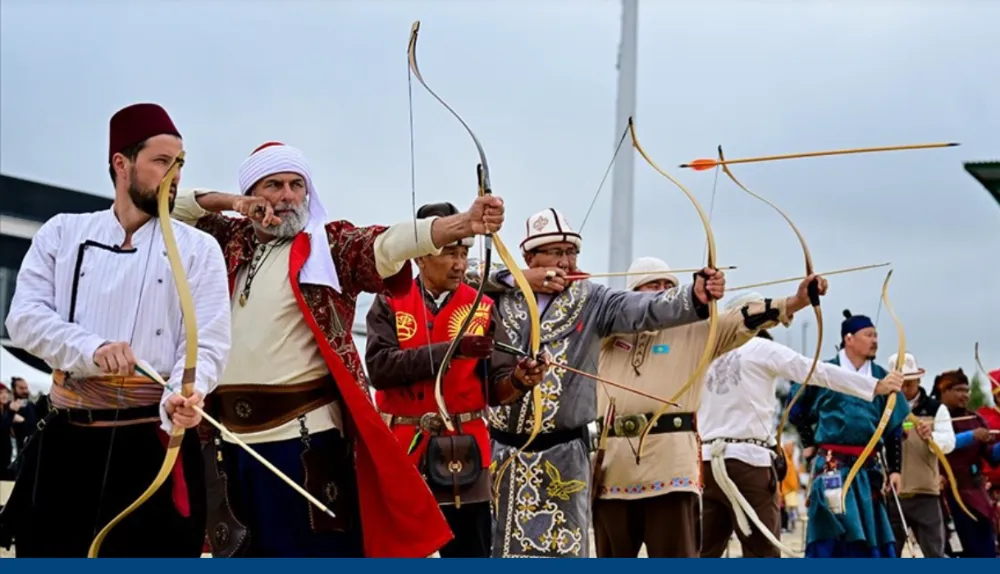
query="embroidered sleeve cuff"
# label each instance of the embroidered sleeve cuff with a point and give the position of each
(186, 207)
(402, 242)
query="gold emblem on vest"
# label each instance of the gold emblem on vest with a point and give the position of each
(478, 325)
(406, 326)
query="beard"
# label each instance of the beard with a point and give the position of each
(146, 200)
(872, 352)
(292, 221)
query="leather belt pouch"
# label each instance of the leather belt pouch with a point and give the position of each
(780, 464)
(329, 472)
(227, 536)
(255, 408)
(453, 466)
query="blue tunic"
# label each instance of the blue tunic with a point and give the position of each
(828, 417)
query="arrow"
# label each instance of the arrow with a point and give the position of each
(791, 279)
(703, 164)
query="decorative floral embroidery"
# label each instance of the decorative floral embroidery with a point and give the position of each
(655, 486)
(538, 525)
(353, 252)
(562, 316)
(724, 374)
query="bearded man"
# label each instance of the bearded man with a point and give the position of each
(838, 426)
(295, 389)
(94, 295)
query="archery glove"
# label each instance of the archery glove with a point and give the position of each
(475, 347)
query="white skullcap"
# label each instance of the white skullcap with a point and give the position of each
(648, 269)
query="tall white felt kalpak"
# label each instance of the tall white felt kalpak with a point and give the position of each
(275, 157)
(546, 227)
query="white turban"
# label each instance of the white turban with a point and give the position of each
(275, 157)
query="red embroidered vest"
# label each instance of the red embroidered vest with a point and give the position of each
(462, 387)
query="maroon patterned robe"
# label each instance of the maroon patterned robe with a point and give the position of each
(973, 490)
(400, 516)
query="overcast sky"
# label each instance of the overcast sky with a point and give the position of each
(536, 81)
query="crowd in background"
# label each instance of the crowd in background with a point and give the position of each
(20, 413)
(793, 501)
(19, 416)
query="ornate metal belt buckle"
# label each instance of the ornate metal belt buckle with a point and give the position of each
(431, 422)
(630, 426)
(243, 408)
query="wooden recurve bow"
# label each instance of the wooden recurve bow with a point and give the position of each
(190, 352)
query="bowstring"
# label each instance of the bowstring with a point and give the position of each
(114, 427)
(413, 202)
(771, 435)
(711, 207)
(604, 179)
(593, 202)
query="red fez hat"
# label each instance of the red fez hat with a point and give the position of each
(137, 123)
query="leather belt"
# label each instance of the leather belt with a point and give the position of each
(430, 422)
(105, 417)
(753, 441)
(544, 441)
(255, 408)
(631, 426)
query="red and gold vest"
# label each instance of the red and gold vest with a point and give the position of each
(462, 386)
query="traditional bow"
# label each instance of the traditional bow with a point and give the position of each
(813, 292)
(890, 406)
(890, 403)
(190, 351)
(708, 353)
(491, 240)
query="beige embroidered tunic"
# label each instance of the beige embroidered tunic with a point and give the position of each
(660, 363)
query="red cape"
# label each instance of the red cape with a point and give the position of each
(400, 517)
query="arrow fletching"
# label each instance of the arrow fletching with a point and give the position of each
(701, 164)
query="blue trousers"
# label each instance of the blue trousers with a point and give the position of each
(276, 515)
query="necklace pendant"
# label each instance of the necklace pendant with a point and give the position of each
(243, 300)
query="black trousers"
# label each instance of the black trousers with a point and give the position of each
(472, 525)
(75, 479)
